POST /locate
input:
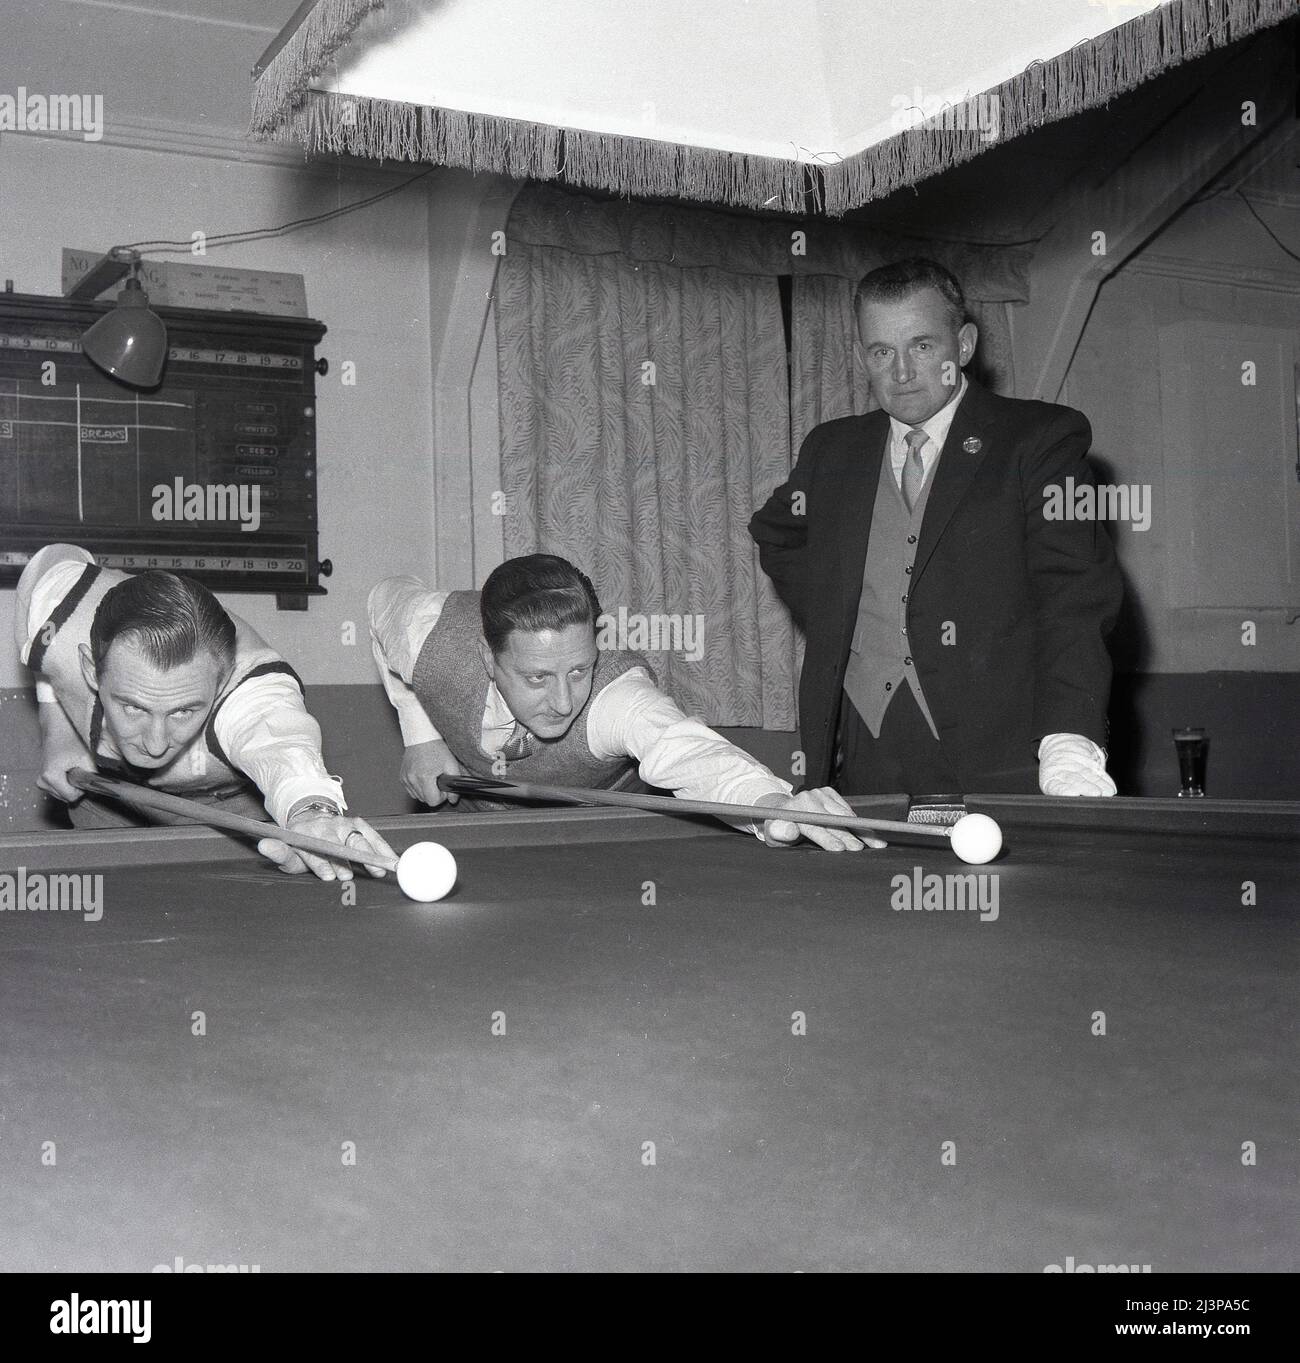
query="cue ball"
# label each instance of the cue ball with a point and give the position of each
(975, 838)
(426, 871)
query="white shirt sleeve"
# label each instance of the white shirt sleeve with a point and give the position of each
(402, 611)
(267, 732)
(49, 576)
(632, 717)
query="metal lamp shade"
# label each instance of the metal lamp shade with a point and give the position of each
(131, 341)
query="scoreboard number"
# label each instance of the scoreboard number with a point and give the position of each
(71, 345)
(179, 563)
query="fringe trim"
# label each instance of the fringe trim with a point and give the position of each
(283, 85)
(1093, 73)
(632, 167)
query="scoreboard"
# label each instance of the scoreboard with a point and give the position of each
(212, 473)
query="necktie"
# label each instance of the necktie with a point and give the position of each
(518, 745)
(913, 467)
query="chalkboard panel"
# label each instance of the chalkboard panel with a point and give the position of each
(212, 473)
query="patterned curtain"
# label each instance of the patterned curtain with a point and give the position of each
(644, 414)
(827, 376)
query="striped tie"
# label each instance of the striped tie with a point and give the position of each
(914, 467)
(518, 745)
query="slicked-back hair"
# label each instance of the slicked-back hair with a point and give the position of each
(171, 618)
(891, 283)
(532, 593)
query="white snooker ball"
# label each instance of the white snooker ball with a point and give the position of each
(975, 838)
(426, 871)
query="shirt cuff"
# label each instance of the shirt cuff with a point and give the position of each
(290, 791)
(750, 793)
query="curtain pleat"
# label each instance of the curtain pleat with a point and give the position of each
(644, 414)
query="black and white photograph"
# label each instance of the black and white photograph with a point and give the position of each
(649, 637)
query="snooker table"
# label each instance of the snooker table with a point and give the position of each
(781, 1063)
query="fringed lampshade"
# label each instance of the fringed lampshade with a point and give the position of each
(792, 105)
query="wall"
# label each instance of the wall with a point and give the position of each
(1212, 264)
(1115, 379)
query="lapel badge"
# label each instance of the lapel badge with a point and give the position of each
(972, 444)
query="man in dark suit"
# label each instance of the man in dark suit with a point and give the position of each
(956, 636)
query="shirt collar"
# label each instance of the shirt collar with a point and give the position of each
(496, 713)
(936, 426)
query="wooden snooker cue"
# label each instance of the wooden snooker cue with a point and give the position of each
(670, 804)
(158, 801)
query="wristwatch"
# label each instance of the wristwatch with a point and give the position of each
(316, 805)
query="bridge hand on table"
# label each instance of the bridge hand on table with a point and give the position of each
(357, 833)
(783, 832)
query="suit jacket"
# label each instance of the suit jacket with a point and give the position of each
(1008, 612)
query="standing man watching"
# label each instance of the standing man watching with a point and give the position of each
(955, 636)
